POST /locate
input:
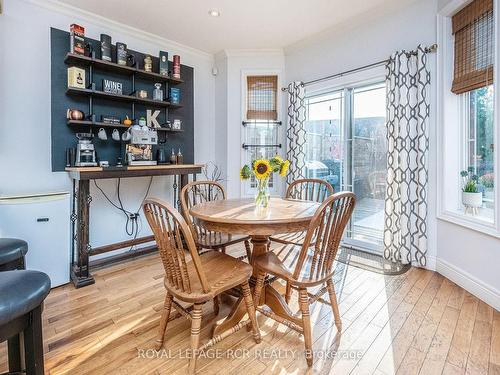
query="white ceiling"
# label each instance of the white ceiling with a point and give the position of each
(243, 24)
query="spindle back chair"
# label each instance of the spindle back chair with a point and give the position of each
(194, 278)
(198, 192)
(314, 265)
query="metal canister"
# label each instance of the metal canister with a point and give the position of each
(176, 67)
(148, 64)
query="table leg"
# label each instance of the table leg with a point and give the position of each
(80, 272)
(259, 244)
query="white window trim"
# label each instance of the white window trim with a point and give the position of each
(279, 183)
(445, 124)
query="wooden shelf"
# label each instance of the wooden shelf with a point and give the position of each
(94, 173)
(97, 124)
(72, 58)
(120, 97)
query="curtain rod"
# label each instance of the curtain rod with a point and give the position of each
(432, 48)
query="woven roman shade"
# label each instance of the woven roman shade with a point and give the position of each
(262, 93)
(473, 28)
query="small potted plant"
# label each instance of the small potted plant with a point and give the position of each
(472, 198)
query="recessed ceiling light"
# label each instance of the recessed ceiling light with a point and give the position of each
(214, 13)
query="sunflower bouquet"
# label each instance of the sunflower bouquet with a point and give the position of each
(262, 170)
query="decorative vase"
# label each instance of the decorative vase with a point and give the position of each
(472, 202)
(262, 196)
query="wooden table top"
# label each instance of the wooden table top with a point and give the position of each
(242, 211)
(90, 173)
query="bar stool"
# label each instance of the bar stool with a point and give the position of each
(12, 252)
(23, 293)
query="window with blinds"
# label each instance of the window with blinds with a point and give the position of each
(262, 92)
(473, 28)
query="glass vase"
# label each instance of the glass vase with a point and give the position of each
(262, 196)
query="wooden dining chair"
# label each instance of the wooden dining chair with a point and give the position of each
(197, 280)
(306, 189)
(198, 192)
(313, 266)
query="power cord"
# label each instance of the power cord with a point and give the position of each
(132, 226)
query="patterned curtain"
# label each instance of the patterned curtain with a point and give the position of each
(405, 228)
(295, 132)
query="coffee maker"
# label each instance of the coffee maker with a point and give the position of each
(140, 149)
(85, 152)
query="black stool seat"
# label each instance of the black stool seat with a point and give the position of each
(21, 292)
(12, 249)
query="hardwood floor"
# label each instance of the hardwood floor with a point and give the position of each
(418, 322)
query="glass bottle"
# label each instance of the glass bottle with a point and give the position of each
(173, 158)
(180, 157)
(158, 92)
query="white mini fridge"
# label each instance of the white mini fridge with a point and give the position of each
(42, 220)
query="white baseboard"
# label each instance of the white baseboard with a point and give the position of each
(431, 263)
(470, 283)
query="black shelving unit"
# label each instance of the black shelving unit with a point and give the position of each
(74, 59)
(96, 103)
(97, 124)
(120, 97)
(132, 72)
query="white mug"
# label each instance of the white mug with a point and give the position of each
(126, 136)
(115, 135)
(102, 134)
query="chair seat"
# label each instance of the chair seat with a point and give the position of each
(281, 262)
(214, 240)
(222, 271)
(12, 249)
(21, 292)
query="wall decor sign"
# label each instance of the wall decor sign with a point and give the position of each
(105, 47)
(112, 87)
(152, 118)
(121, 53)
(77, 39)
(164, 63)
(109, 119)
(76, 77)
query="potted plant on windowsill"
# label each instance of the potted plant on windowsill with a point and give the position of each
(472, 198)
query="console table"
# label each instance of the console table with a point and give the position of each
(81, 176)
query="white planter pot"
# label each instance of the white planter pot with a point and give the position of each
(474, 200)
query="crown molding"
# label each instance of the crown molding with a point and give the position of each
(109, 24)
(254, 52)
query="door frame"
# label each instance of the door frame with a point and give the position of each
(348, 84)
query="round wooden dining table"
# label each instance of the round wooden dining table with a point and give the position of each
(240, 216)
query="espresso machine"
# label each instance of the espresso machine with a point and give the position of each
(140, 149)
(85, 151)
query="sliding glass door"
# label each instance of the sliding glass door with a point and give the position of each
(346, 145)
